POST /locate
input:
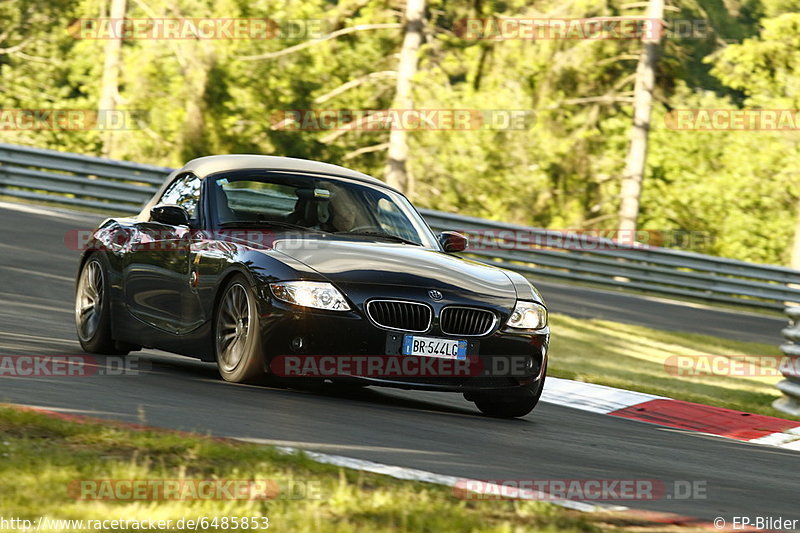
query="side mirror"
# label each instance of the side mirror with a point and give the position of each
(453, 241)
(172, 215)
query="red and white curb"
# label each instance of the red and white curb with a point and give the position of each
(759, 429)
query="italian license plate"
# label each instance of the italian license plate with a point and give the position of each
(433, 347)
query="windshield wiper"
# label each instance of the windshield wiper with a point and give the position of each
(380, 235)
(274, 223)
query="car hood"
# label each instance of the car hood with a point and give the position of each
(388, 264)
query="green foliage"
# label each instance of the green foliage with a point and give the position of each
(203, 97)
(732, 188)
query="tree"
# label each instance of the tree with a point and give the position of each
(396, 172)
(109, 88)
(642, 109)
(767, 69)
(219, 96)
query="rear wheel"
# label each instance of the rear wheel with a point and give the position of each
(237, 336)
(93, 310)
(511, 405)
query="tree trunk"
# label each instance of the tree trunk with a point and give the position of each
(197, 60)
(396, 172)
(642, 107)
(109, 88)
(193, 137)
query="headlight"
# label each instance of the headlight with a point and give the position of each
(317, 294)
(528, 315)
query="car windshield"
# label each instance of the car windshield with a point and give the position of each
(336, 206)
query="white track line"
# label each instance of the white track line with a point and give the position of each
(412, 474)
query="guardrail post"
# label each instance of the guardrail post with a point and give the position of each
(790, 387)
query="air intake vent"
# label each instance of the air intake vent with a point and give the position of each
(403, 316)
(467, 321)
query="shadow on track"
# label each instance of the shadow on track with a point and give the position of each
(192, 368)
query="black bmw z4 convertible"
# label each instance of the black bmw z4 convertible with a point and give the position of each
(278, 268)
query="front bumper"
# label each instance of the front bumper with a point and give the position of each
(307, 338)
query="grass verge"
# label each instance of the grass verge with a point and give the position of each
(643, 359)
(42, 456)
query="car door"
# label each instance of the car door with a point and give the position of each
(157, 278)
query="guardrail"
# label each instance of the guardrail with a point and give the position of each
(79, 180)
(549, 253)
(790, 387)
(66, 178)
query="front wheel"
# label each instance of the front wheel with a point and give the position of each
(512, 405)
(237, 336)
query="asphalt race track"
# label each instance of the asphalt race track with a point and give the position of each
(441, 433)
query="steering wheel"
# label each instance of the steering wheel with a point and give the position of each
(366, 228)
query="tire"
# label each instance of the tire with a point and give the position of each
(237, 334)
(93, 310)
(512, 405)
